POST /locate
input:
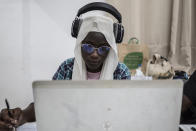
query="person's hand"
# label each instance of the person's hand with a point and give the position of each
(16, 119)
(186, 104)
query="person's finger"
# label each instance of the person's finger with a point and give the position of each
(5, 117)
(4, 125)
(20, 121)
(16, 115)
(1, 113)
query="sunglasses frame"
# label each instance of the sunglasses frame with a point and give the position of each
(94, 48)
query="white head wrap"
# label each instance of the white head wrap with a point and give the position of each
(104, 25)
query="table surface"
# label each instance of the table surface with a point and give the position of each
(32, 127)
(28, 127)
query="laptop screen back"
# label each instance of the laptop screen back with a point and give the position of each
(108, 105)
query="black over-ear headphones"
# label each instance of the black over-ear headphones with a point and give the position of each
(117, 27)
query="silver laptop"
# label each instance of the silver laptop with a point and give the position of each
(108, 105)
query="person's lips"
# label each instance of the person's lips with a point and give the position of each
(94, 62)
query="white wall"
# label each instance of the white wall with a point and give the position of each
(35, 37)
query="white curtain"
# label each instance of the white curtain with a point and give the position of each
(168, 27)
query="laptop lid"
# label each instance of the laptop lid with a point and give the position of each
(108, 105)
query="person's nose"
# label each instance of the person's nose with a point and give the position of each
(95, 54)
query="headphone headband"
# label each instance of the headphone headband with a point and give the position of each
(100, 6)
(118, 28)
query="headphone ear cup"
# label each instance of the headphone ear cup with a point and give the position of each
(115, 30)
(75, 27)
(121, 34)
(118, 32)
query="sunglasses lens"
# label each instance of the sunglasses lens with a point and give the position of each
(87, 48)
(103, 50)
(90, 49)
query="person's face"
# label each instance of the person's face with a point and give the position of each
(92, 57)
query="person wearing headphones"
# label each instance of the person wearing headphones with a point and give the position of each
(95, 57)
